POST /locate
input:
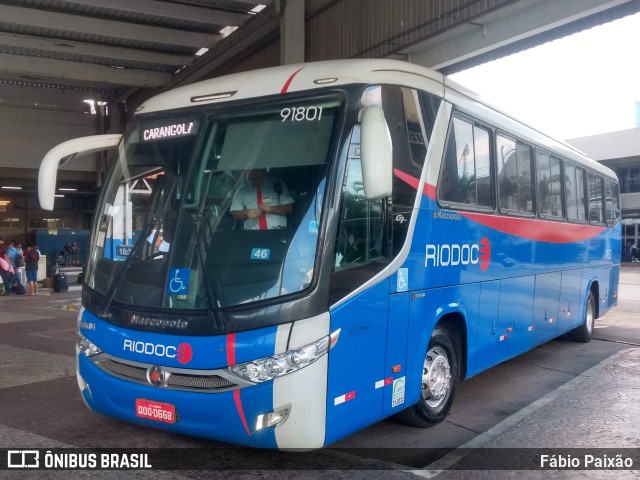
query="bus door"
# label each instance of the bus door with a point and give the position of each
(358, 361)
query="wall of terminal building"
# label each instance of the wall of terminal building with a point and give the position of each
(620, 151)
(32, 122)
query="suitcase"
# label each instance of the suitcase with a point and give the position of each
(60, 283)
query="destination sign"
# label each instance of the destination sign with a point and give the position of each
(169, 131)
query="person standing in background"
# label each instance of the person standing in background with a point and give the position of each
(15, 256)
(31, 259)
(75, 250)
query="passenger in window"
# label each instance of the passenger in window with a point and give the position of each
(262, 202)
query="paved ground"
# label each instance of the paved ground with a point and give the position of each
(560, 395)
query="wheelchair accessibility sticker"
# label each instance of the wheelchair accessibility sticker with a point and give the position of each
(178, 283)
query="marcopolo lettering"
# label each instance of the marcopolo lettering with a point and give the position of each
(159, 322)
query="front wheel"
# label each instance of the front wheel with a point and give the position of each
(438, 383)
(584, 333)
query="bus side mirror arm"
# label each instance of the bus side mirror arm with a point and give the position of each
(375, 153)
(61, 154)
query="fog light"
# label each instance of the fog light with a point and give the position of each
(272, 419)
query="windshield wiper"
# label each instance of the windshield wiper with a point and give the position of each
(215, 308)
(153, 225)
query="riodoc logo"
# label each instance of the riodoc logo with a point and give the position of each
(453, 254)
(183, 352)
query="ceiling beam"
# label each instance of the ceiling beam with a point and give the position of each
(255, 31)
(173, 11)
(93, 50)
(508, 24)
(82, 71)
(108, 28)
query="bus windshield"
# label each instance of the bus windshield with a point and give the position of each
(211, 211)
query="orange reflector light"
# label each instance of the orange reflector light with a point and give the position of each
(396, 368)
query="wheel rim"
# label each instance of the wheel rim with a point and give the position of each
(589, 316)
(436, 377)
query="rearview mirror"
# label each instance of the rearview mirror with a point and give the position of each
(61, 154)
(375, 153)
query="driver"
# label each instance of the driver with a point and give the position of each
(262, 202)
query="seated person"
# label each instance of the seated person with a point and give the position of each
(262, 202)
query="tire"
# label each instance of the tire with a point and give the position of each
(584, 333)
(439, 380)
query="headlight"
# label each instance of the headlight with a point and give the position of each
(86, 347)
(269, 368)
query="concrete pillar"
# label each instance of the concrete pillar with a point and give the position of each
(292, 28)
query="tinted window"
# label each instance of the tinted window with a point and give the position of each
(514, 175)
(466, 173)
(612, 205)
(548, 175)
(575, 193)
(596, 212)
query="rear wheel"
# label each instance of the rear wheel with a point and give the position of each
(438, 383)
(584, 333)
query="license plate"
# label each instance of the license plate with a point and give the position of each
(158, 411)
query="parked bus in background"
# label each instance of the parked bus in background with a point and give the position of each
(431, 236)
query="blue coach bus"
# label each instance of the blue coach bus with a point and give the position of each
(424, 236)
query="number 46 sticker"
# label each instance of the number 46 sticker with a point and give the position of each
(260, 253)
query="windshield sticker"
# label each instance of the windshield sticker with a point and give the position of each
(123, 250)
(169, 131)
(178, 283)
(260, 253)
(403, 279)
(313, 226)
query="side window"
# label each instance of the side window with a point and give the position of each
(514, 175)
(612, 202)
(596, 212)
(466, 170)
(361, 224)
(575, 193)
(549, 179)
(366, 233)
(402, 107)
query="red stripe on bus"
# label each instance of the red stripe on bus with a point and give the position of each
(285, 88)
(529, 228)
(231, 349)
(236, 399)
(535, 229)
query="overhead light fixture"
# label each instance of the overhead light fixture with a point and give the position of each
(58, 195)
(213, 96)
(7, 187)
(68, 189)
(323, 81)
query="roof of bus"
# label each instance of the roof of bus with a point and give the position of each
(300, 77)
(286, 79)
